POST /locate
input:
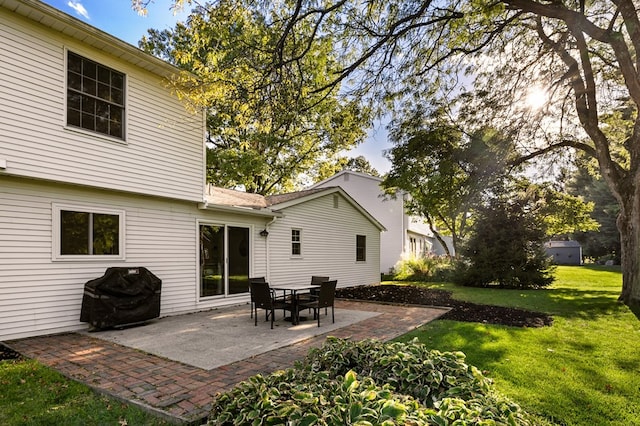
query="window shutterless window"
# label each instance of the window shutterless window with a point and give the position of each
(95, 96)
(361, 248)
(81, 233)
(296, 242)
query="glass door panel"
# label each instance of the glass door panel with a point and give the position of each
(212, 271)
(238, 254)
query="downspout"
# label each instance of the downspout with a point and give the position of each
(266, 249)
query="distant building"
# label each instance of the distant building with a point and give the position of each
(564, 252)
(405, 236)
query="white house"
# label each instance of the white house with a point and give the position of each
(101, 166)
(405, 234)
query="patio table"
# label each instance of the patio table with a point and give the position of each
(295, 290)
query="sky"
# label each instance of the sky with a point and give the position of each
(117, 18)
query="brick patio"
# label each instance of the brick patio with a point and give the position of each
(183, 393)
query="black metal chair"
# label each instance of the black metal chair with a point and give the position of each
(263, 297)
(257, 280)
(315, 280)
(325, 299)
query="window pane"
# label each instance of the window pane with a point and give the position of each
(361, 248)
(104, 75)
(89, 86)
(74, 232)
(74, 81)
(106, 233)
(89, 68)
(98, 92)
(73, 117)
(104, 92)
(88, 121)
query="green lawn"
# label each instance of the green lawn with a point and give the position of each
(584, 370)
(32, 394)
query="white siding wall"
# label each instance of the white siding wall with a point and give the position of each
(40, 296)
(328, 244)
(389, 212)
(163, 153)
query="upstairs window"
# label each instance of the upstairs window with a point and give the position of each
(296, 242)
(361, 248)
(95, 97)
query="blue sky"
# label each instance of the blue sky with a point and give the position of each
(118, 19)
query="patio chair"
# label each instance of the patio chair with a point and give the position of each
(263, 297)
(324, 299)
(257, 280)
(315, 280)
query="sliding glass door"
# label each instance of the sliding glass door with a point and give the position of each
(224, 260)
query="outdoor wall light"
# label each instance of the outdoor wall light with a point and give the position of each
(264, 233)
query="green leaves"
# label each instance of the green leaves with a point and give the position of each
(269, 120)
(369, 383)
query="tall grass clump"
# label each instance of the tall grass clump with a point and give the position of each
(430, 268)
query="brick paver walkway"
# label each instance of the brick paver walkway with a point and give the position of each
(183, 393)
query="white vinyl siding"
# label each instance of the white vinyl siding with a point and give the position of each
(163, 154)
(329, 244)
(41, 296)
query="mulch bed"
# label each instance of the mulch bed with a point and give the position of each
(461, 311)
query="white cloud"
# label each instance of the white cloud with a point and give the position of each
(79, 8)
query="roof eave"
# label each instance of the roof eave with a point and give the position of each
(59, 21)
(240, 210)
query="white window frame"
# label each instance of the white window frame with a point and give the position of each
(125, 115)
(56, 229)
(299, 242)
(365, 248)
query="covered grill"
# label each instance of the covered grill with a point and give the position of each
(122, 296)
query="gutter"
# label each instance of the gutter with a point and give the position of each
(240, 210)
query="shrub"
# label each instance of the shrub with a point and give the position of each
(506, 248)
(429, 267)
(369, 383)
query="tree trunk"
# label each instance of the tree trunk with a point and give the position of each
(629, 227)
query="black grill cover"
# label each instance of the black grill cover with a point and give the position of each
(121, 296)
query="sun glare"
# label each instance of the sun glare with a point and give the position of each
(536, 98)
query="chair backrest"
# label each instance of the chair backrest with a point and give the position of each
(261, 294)
(327, 293)
(317, 280)
(257, 280)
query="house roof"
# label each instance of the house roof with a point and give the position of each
(559, 244)
(346, 172)
(291, 196)
(63, 23)
(272, 205)
(230, 197)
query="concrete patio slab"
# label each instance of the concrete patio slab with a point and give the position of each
(217, 337)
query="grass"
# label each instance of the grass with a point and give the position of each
(584, 370)
(32, 394)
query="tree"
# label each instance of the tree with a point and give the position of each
(605, 241)
(445, 172)
(582, 55)
(264, 128)
(507, 245)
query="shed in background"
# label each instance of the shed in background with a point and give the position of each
(564, 252)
